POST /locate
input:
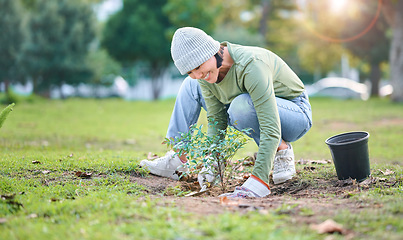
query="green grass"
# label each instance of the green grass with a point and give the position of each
(109, 137)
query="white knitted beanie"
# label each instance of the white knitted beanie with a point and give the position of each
(191, 47)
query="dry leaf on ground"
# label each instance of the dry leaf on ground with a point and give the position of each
(225, 201)
(367, 182)
(328, 226)
(83, 174)
(196, 193)
(387, 172)
(305, 162)
(346, 182)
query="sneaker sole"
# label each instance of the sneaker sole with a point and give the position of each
(282, 178)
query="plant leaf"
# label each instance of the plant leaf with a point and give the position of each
(5, 112)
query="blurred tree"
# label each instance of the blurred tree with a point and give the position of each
(11, 40)
(224, 20)
(104, 68)
(61, 32)
(281, 28)
(393, 10)
(235, 21)
(263, 17)
(201, 14)
(373, 46)
(316, 54)
(28, 3)
(31, 3)
(239, 35)
(263, 23)
(139, 32)
(93, 1)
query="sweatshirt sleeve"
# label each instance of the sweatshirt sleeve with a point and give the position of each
(216, 112)
(258, 82)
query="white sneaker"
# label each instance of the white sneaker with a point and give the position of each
(283, 165)
(167, 166)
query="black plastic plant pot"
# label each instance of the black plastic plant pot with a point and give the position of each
(350, 155)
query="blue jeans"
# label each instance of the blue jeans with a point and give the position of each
(295, 114)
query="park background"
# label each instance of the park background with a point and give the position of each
(115, 48)
(94, 87)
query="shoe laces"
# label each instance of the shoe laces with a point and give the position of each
(283, 163)
(167, 158)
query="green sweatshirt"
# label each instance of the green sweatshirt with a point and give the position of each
(264, 76)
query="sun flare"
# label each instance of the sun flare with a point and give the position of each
(337, 6)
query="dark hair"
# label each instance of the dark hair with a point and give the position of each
(219, 56)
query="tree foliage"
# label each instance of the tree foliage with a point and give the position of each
(270, 24)
(103, 67)
(140, 32)
(54, 48)
(236, 23)
(317, 55)
(373, 46)
(60, 35)
(11, 39)
(201, 14)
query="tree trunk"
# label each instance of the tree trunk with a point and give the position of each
(6, 85)
(375, 78)
(156, 87)
(156, 81)
(396, 53)
(265, 16)
(62, 96)
(35, 83)
(7, 91)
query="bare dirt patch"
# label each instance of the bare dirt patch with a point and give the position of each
(304, 200)
(389, 122)
(155, 185)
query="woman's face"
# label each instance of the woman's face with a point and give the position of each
(208, 71)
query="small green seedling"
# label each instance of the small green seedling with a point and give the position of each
(211, 152)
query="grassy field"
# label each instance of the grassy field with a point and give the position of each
(45, 144)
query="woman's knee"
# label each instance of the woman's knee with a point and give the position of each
(240, 110)
(293, 132)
